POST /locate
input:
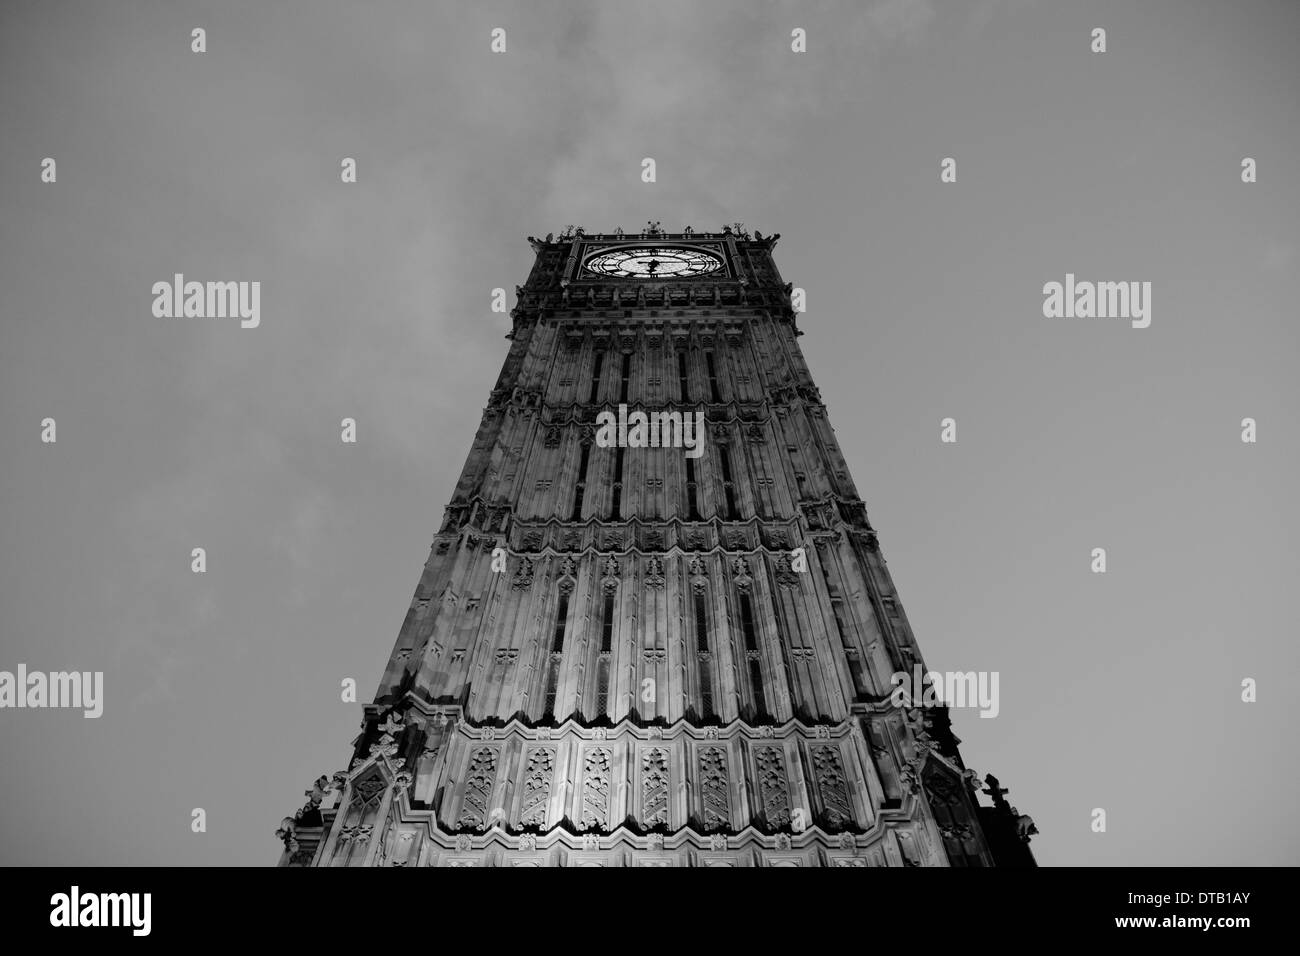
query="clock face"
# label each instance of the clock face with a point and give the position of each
(650, 262)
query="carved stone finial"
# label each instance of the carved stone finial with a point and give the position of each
(523, 576)
(998, 793)
(1025, 827)
(610, 574)
(654, 575)
(288, 834)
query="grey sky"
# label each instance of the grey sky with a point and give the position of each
(924, 301)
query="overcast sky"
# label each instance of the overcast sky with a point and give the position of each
(1119, 691)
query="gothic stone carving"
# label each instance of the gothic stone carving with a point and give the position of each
(610, 580)
(774, 789)
(478, 789)
(654, 787)
(828, 768)
(537, 787)
(595, 789)
(714, 789)
(786, 576)
(654, 573)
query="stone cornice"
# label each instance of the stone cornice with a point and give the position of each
(830, 513)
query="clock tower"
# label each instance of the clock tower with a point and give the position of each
(666, 643)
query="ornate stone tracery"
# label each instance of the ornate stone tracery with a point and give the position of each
(773, 786)
(715, 791)
(654, 787)
(828, 767)
(537, 788)
(481, 776)
(595, 789)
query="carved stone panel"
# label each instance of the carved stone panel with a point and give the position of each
(714, 790)
(537, 787)
(773, 786)
(654, 573)
(828, 768)
(479, 779)
(654, 787)
(595, 789)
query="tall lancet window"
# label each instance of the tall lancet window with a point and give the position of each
(752, 654)
(582, 482)
(616, 507)
(703, 653)
(713, 378)
(724, 455)
(606, 647)
(595, 377)
(692, 492)
(557, 647)
(850, 651)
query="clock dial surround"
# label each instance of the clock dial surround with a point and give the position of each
(654, 262)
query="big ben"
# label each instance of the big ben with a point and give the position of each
(655, 627)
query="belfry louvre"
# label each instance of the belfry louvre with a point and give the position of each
(626, 653)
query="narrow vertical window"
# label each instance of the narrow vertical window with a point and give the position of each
(561, 622)
(582, 483)
(602, 688)
(850, 652)
(703, 655)
(727, 486)
(713, 377)
(607, 624)
(752, 654)
(595, 377)
(747, 622)
(799, 478)
(681, 377)
(692, 499)
(602, 665)
(756, 682)
(627, 373)
(552, 682)
(557, 649)
(616, 510)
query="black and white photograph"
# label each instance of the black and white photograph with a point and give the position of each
(609, 434)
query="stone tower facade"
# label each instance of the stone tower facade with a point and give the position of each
(655, 627)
